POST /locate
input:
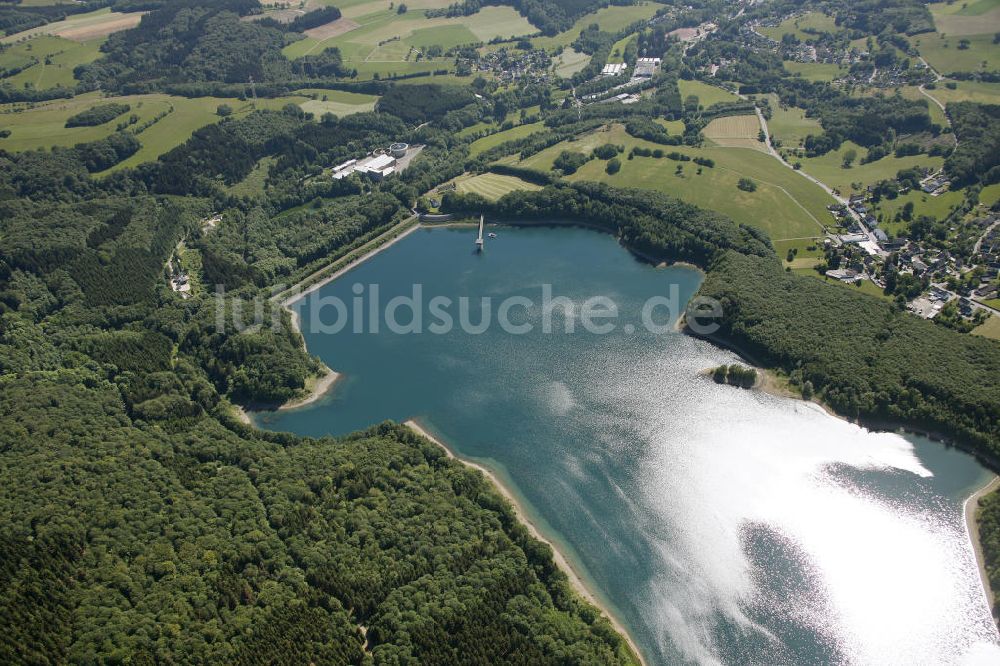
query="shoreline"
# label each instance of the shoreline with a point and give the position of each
(299, 295)
(969, 509)
(329, 377)
(575, 580)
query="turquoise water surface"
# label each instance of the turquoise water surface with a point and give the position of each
(720, 525)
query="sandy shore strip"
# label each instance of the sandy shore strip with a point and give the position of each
(323, 384)
(574, 578)
(972, 527)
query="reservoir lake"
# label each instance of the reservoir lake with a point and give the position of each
(719, 525)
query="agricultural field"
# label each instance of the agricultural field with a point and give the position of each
(387, 43)
(829, 168)
(44, 125)
(707, 94)
(54, 59)
(492, 185)
(798, 24)
(785, 204)
(487, 142)
(815, 71)
(337, 102)
(967, 91)
(976, 17)
(82, 27)
(735, 132)
(610, 19)
(943, 53)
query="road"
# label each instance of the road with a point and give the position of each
(937, 77)
(774, 153)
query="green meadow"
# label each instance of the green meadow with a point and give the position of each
(785, 204)
(798, 24)
(967, 18)
(569, 62)
(487, 142)
(610, 19)
(707, 94)
(923, 204)
(789, 124)
(943, 53)
(43, 126)
(253, 184)
(967, 91)
(829, 168)
(815, 71)
(989, 329)
(492, 185)
(53, 58)
(388, 43)
(337, 102)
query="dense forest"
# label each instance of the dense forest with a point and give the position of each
(863, 356)
(145, 524)
(651, 223)
(977, 156)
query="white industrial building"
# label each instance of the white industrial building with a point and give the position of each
(613, 69)
(375, 167)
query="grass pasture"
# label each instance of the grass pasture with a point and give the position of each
(977, 17)
(989, 329)
(829, 167)
(44, 125)
(814, 71)
(610, 19)
(82, 27)
(569, 62)
(337, 102)
(967, 91)
(386, 43)
(492, 185)
(923, 204)
(735, 132)
(785, 205)
(808, 252)
(937, 114)
(253, 184)
(493, 140)
(789, 124)
(707, 95)
(797, 25)
(54, 59)
(943, 54)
